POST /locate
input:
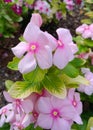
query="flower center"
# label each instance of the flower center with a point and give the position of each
(55, 113)
(18, 102)
(74, 103)
(60, 44)
(33, 47)
(4, 110)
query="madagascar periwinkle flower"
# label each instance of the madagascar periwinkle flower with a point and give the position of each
(19, 105)
(65, 48)
(85, 30)
(55, 112)
(36, 49)
(6, 114)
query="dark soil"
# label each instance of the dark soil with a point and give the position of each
(72, 22)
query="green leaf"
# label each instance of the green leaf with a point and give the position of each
(77, 62)
(35, 76)
(6, 126)
(22, 89)
(89, 14)
(31, 127)
(74, 81)
(90, 123)
(79, 40)
(54, 85)
(8, 84)
(86, 21)
(88, 42)
(13, 65)
(30, 1)
(70, 70)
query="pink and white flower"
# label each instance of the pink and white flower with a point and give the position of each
(6, 114)
(65, 48)
(36, 49)
(55, 112)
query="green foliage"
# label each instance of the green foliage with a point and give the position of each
(13, 65)
(77, 62)
(35, 76)
(8, 20)
(8, 84)
(22, 89)
(90, 123)
(31, 127)
(6, 126)
(70, 70)
(29, 1)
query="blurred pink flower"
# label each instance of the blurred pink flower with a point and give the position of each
(36, 49)
(17, 9)
(85, 30)
(59, 15)
(87, 89)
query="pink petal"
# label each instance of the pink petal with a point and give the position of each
(20, 49)
(2, 120)
(52, 41)
(10, 116)
(27, 105)
(74, 48)
(60, 124)
(44, 105)
(62, 56)
(82, 28)
(44, 57)
(42, 39)
(66, 113)
(8, 97)
(86, 34)
(31, 33)
(45, 121)
(36, 19)
(27, 120)
(27, 64)
(64, 35)
(77, 119)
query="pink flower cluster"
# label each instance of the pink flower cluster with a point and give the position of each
(16, 7)
(85, 30)
(89, 76)
(39, 109)
(69, 4)
(42, 49)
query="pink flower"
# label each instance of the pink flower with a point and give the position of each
(35, 48)
(74, 98)
(84, 30)
(65, 48)
(21, 122)
(17, 9)
(87, 89)
(6, 114)
(36, 19)
(42, 7)
(7, 1)
(69, 4)
(20, 105)
(57, 113)
(59, 15)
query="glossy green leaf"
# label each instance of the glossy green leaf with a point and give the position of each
(8, 84)
(77, 62)
(71, 71)
(55, 86)
(35, 76)
(22, 89)
(13, 65)
(74, 81)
